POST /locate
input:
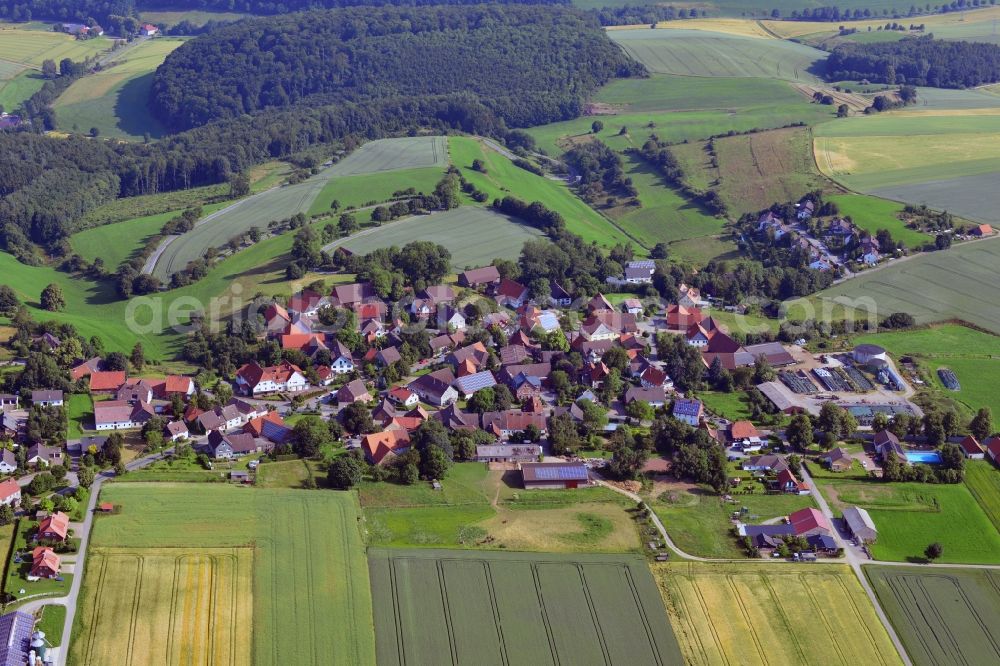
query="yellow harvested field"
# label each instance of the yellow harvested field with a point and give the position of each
(166, 606)
(843, 155)
(792, 29)
(32, 47)
(729, 26)
(763, 614)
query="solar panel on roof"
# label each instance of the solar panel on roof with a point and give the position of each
(560, 473)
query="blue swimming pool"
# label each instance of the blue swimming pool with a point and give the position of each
(927, 457)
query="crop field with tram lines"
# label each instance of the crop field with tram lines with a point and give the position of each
(761, 614)
(311, 599)
(943, 617)
(171, 605)
(461, 607)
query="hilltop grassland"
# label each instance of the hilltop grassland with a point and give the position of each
(938, 157)
(114, 99)
(679, 108)
(725, 54)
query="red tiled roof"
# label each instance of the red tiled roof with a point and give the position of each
(44, 561)
(177, 384)
(742, 430)
(255, 426)
(254, 374)
(107, 381)
(57, 523)
(380, 444)
(8, 488)
(300, 341)
(808, 519)
(511, 289)
(971, 446)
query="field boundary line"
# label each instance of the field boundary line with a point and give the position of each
(545, 614)
(488, 573)
(746, 618)
(593, 614)
(234, 620)
(448, 623)
(348, 566)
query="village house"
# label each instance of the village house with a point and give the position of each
(54, 527)
(47, 398)
(992, 450)
(270, 427)
(680, 318)
(511, 294)
(106, 381)
(8, 400)
(479, 277)
(766, 463)
(689, 297)
(8, 461)
(403, 396)
(41, 455)
(971, 448)
(654, 397)
(252, 379)
(478, 381)
(120, 415)
(226, 447)
(175, 431)
(10, 492)
(512, 422)
(44, 563)
(640, 272)
(380, 446)
(354, 391)
(148, 30)
(885, 441)
(222, 418)
(787, 483)
(837, 460)
(435, 388)
(688, 411)
(744, 435)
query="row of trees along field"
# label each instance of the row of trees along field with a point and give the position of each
(918, 61)
(104, 10)
(489, 52)
(49, 183)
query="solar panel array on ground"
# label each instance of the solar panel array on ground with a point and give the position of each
(858, 378)
(797, 383)
(949, 379)
(832, 381)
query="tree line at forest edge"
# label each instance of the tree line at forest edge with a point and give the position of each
(49, 184)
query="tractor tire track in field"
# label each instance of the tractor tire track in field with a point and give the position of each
(685, 612)
(545, 614)
(708, 616)
(494, 606)
(860, 619)
(642, 615)
(826, 622)
(746, 618)
(593, 614)
(174, 592)
(449, 623)
(776, 603)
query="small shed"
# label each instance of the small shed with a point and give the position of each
(106, 507)
(240, 476)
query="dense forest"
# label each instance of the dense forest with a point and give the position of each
(50, 183)
(104, 10)
(528, 64)
(919, 61)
